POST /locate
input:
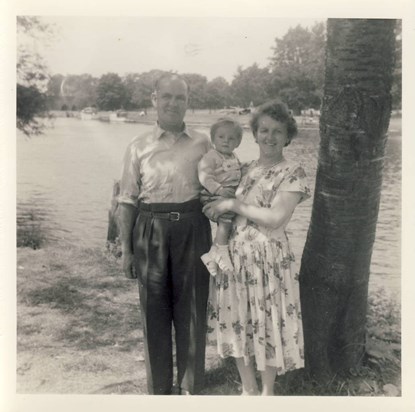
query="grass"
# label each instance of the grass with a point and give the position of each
(78, 324)
(79, 331)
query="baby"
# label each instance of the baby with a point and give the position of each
(220, 174)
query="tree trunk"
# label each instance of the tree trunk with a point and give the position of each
(335, 265)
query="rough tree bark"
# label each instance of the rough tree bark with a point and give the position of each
(353, 128)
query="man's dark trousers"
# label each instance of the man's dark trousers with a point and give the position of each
(174, 285)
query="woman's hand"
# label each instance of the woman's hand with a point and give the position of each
(226, 192)
(218, 207)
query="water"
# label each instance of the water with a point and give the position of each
(66, 176)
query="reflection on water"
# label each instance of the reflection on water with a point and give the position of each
(65, 177)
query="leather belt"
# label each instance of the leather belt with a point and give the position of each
(171, 216)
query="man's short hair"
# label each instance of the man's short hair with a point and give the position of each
(170, 76)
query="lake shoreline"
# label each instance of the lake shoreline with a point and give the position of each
(85, 158)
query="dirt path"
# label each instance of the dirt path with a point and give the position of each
(79, 329)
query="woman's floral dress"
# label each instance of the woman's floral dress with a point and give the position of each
(255, 310)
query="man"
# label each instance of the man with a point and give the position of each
(165, 242)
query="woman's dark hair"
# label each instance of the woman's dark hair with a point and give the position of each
(278, 111)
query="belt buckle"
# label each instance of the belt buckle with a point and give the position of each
(174, 216)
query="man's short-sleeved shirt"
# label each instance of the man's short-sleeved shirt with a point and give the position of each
(161, 167)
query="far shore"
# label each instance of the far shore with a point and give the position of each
(205, 118)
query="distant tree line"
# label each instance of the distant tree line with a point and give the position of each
(295, 74)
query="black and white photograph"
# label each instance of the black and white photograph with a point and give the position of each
(207, 203)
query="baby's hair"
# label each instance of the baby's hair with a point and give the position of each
(278, 111)
(226, 121)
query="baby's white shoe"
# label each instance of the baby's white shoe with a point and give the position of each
(223, 259)
(209, 261)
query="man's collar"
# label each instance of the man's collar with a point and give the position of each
(158, 131)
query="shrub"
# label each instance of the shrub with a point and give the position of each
(383, 316)
(30, 232)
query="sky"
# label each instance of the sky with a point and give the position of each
(209, 46)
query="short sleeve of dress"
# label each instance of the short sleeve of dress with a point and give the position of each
(296, 181)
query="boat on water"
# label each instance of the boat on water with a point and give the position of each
(118, 116)
(88, 113)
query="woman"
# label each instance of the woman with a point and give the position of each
(254, 312)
